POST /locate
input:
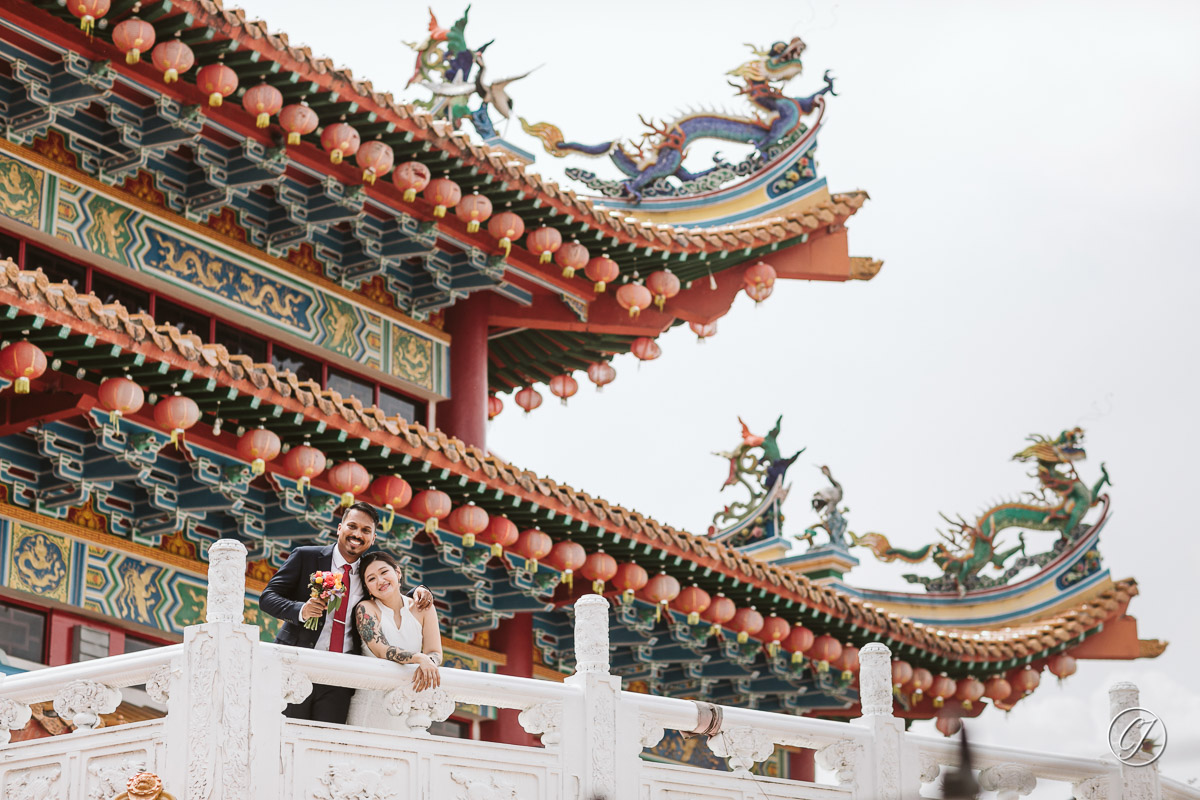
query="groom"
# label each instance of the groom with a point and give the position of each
(287, 597)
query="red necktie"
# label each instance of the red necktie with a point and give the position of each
(337, 634)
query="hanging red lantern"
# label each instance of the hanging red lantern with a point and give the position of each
(176, 414)
(902, 673)
(506, 227)
(303, 463)
(563, 386)
(704, 330)
(566, 557)
(174, 58)
(693, 601)
(533, 545)
(760, 274)
(263, 101)
(468, 522)
(120, 396)
(948, 724)
(663, 285)
(1061, 665)
(720, 611)
(571, 256)
(1024, 680)
(798, 642)
(443, 193)
(774, 630)
(499, 533)
(598, 568)
(544, 243)
(920, 682)
(602, 271)
(660, 590)
(747, 622)
(376, 159)
(630, 579)
(258, 446)
(22, 362)
(495, 406)
(410, 178)
(528, 398)
(645, 348)
(340, 140)
(997, 688)
(824, 651)
(474, 209)
(847, 662)
(349, 478)
(969, 690)
(133, 37)
(601, 373)
(217, 81)
(393, 493)
(634, 297)
(431, 506)
(88, 11)
(943, 686)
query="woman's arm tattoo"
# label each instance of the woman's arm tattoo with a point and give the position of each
(398, 655)
(435, 657)
(368, 626)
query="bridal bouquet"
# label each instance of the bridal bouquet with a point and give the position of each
(327, 586)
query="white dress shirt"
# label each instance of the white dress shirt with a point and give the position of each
(353, 595)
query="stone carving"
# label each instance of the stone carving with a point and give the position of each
(296, 687)
(1091, 789)
(202, 686)
(1009, 780)
(418, 709)
(591, 634)
(346, 782)
(842, 758)
(875, 680)
(744, 747)
(13, 717)
(226, 581)
(887, 760)
(650, 733)
(930, 768)
(82, 702)
(544, 718)
(107, 776)
(144, 786)
(483, 787)
(158, 686)
(237, 656)
(37, 783)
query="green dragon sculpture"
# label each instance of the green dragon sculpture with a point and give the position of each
(968, 549)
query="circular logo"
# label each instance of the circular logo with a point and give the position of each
(1137, 737)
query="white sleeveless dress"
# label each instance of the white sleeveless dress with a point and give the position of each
(366, 707)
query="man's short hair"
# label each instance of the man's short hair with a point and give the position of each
(365, 508)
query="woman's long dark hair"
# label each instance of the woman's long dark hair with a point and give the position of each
(364, 562)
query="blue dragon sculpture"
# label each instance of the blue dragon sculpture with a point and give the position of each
(661, 151)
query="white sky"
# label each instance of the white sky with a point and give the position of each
(1033, 172)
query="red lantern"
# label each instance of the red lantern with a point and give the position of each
(997, 688)
(258, 446)
(410, 178)
(948, 724)
(921, 680)
(495, 406)
(22, 362)
(602, 271)
(847, 662)
(506, 227)
(349, 478)
(660, 590)
(473, 210)
(340, 140)
(528, 398)
(774, 630)
(431, 506)
(443, 193)
(645, 348)
(297, 119)
(598, 568)
(533, 545)
(1024, 680)
(544, 243)
(663, 285)
(703, 330)
(969, 691)
(303, 463)
(601, 373)
(133, 37)
(176, 414)
(761, 274)
(217, 81)
(824, 651)
(174, 58)
(630, 578)
(468, 522)
(120, 396)
(747, 622)
(563, 386)
(720, 611)
(571, 256)
(943, 687)
(263, 101)
(376, 159)
(692, 601)
(1062, 665)
(634, 297)
(88, 11)
(392, 492)
(902, 673)
(499, 533)
(566, 557)
(798, 642)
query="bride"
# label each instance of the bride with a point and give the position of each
(389, 627)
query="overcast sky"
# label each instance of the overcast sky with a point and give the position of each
(1033, 178)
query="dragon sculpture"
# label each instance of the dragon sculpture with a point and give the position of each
(660, 153)
(758, 466)
(1060, 505)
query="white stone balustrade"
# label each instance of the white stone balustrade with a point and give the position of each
(224, 736)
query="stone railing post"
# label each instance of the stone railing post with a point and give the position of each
(1008, 781)
(1137, 782)
(890, 768)
(224, 696)
(601, 720)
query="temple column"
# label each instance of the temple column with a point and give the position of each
(465, 414)
(514, 638)
(802, 764)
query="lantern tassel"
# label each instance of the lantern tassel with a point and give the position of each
(568, 272)
(822, 666)
(714, 630)
(215, 99)
(660, 301)
(335, 156)
(431, 525)
(694, 618)
(966, 704)
(171, 75)
(439, 211)
(742, 637)
(772, 649)
(258, 466)
(177, 437)
(410, 195)
(387, 525)
(627, 596)
(532, 564)
(545, 257)
(293, 137)
(369, 176)
(473, 226)
(468, 540)
(347, 499)
(86, 23)
(567, 579)
(658, 607)
(797, 658)
(848, 676)
(262, 120)
(599, 287)
(114, 419)
(938, 702)
(598, 587)
(497, 550)
(22, 385)
(133, 56)
(506, 244)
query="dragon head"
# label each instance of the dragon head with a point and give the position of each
(778, 63)
(1067, 447)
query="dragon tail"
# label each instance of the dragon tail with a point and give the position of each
(553, 141)
(878, 544)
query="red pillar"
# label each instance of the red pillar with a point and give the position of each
(802, 765)
(465, 414)
(514, 638)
